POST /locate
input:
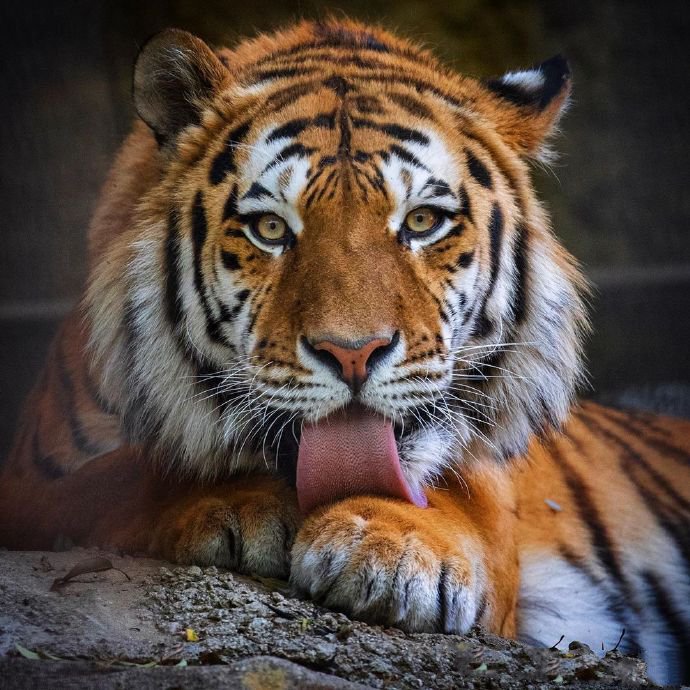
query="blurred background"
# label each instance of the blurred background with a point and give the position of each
(619, 197)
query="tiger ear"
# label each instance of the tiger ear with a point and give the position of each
(175, 75)
(530, 103)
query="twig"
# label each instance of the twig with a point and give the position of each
(620, 639)
(555, 647)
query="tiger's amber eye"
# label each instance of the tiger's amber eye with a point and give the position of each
(421, 219)
(271, 228)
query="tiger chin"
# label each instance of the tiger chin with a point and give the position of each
(328, 335)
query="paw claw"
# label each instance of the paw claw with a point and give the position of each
(383, 572)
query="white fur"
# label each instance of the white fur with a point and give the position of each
(528, 80)
(558, 599)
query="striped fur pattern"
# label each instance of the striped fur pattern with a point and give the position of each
(189, 355)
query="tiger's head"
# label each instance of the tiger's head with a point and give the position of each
(333, 257)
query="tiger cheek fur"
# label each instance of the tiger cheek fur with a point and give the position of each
(328, 335)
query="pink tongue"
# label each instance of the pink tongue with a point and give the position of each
(350, 453)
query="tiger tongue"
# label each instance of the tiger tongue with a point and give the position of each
(350, 453)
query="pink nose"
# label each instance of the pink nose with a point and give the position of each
(353, 364)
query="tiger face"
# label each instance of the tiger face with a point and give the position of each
(342, 265)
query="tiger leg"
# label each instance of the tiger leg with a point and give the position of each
(441, 568)
(118, 501)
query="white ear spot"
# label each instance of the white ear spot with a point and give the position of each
(528, 80)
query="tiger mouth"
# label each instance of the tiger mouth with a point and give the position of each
(354, 451)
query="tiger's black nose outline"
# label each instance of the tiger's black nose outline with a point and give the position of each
(351, 362)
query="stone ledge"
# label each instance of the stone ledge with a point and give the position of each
(169, 626)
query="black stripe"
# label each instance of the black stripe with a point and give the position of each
(295, 127)
(224, 162)
(345, 143)
(506, 172)
(478, 170)
(230, 208)
(520, 251)
(375, 71)
(588, 513)
(281, 99)
(496, 237)
(455, 231)
(674, 518)
(323, 48)
(313, 179)
(280, 73)
(673, 618)
(333, 175)
(442, 600)
(256, 191)
(392, 130)
(318, 192)
(420, 86)
(68, 398)
(465, 201)
(199, 234)
(337, 84)
(680, 455)
(615, 604)
(337, 36)
(230, 261)
(369, 105)
(412, 105)
(326, 161)
(629, 453)
(407, 157)
(483, 325)
(465, 259)
(254, 317)
(289, 129)
(438, 187)
(295, 149)
(48, 465)
(240, 299)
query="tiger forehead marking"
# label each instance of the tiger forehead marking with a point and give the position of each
(379, 145)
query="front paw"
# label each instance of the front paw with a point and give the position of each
(386, 562)
(247, 526)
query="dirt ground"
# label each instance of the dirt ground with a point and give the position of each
(150, 624)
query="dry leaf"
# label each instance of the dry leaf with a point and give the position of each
(89, 565)
(190, 635)
(26, 653)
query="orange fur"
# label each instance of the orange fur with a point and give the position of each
(101, 463)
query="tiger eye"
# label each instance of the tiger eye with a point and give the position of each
(421, 219)
(271, 228)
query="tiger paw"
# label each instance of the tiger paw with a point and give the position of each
(380, 561)
(247, 526)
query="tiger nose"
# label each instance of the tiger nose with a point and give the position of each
(353, 362)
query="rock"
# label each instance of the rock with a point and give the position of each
(257, 673)
(106, 631)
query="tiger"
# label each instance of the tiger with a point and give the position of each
(329, 336)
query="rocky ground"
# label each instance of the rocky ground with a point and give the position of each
(148, 624)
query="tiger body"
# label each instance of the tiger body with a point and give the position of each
(257, 267)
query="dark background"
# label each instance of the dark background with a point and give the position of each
(619, 196)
